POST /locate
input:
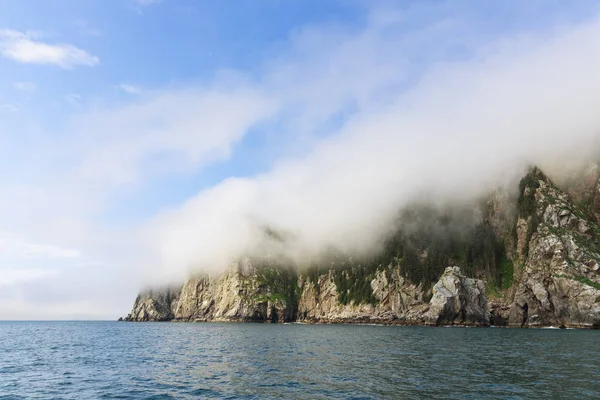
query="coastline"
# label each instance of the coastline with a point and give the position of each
(379, 323)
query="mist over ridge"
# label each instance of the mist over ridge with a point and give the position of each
(466, 128)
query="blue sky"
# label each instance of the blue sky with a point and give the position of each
(135, 135)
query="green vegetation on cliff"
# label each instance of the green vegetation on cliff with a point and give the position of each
(352, 277)
(354, 285)
(527, 186)
(426, 242)
(443, 239)
(275, 281)
(587, 281)
(507, 272)
(526, 204)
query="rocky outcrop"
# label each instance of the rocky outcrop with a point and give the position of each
(245, 293)
(558, 282)
(247, 297)
(457, 300)
(154, 305)
(396, 301)
(499, 311)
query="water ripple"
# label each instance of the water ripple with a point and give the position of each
(109, 360)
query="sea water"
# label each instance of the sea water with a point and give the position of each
(114, 360)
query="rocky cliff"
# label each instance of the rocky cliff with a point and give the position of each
(238, 296)
(155, 305)
(558, 247)
(527, 260)
(393, 299)
(246, 292)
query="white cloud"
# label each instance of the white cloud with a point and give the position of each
(131, 89)
(66, 182)
(462, 129)
(25, 86)
(25, 48)
(186, 128)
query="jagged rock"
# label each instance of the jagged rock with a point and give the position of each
(499, 312)
(242, 293)
(154, 305)
(398, 301)
(557, 284)
(457, 300)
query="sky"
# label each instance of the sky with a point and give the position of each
(144, 140)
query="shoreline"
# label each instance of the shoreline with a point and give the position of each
(407, 324)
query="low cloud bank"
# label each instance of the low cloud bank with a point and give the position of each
(464, 128)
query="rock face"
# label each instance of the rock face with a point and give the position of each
(244, 293)
(154, 305)
(537, 257)
(457, 300)
(558, 244)
(235, 296)
(396, 301)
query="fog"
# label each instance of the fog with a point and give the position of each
(458, 131)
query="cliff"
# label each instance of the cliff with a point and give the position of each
(527, 260)
(558, 246)
(154, 305)
(244, 296)
(246, 292)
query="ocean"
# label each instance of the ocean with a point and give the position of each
(122, 360)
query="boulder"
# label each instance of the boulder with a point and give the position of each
(457, 300)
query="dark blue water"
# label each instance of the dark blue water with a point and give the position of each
(110, 360)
